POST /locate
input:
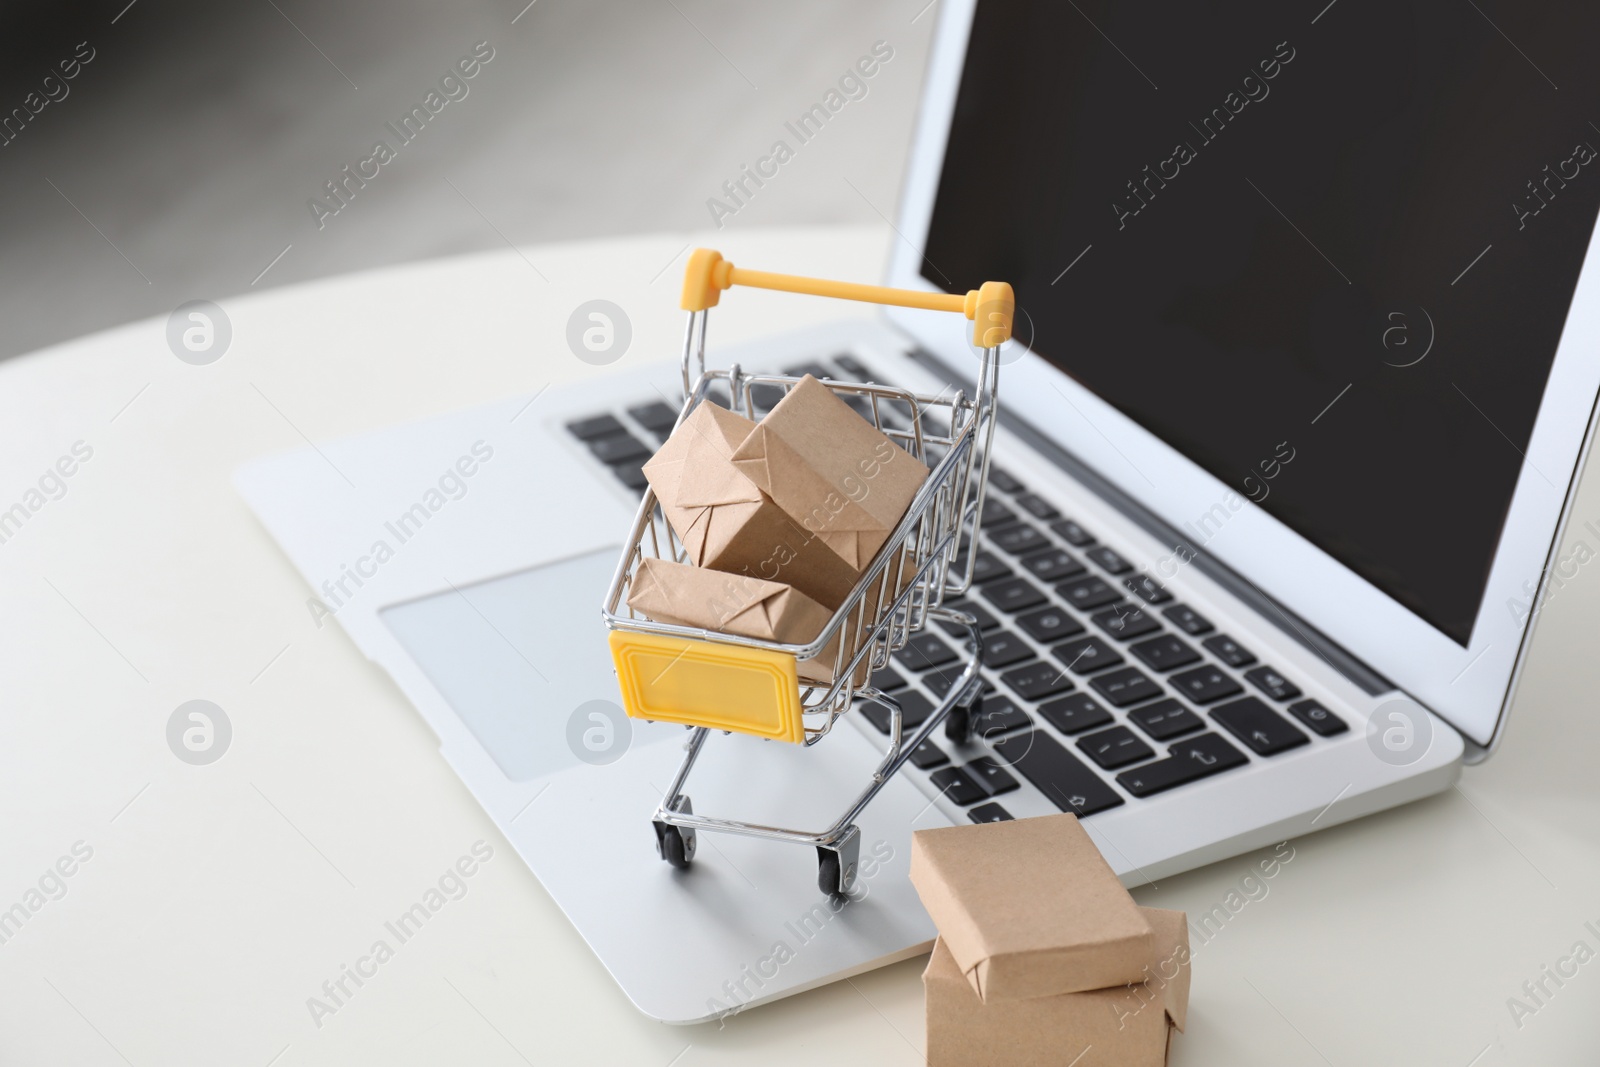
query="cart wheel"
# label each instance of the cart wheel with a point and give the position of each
(675, 844)
(672, 846)
(836, 866)
(828, 872)
(958, 723)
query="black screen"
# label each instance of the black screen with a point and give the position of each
(1344, 235)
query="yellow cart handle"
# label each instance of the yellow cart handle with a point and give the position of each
(990, 307)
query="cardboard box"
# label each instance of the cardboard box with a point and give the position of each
(733, 603)
(1029, 908)
(1121, 1026)
(832, 471)
(727, 523)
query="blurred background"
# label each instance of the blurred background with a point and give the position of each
(181, 159)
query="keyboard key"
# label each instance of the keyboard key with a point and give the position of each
(619, 448)
(1013, 594)
(878, 715)
(1087, 593)
(956, 784)
(1002, 649)
(1190, 761)
(1203, 685)
(1146, 589)
(1104, 557)
(813, 368)
(1124, 622)
(925, 650)
(1229, 651)
(1165, 719)
(598, 426)
(1124, 687)
(632, 475)
(1049, 624)
(1318, 718)
(1072, 533)
(995, 514)
(1265, 731)
(656, 417)
(852, 366)
(887, 680)
(859, 404)
(1057, 773)
(1116, 747)
(1164, 653)
(985, 619)
(999, 716)
(1018, 539)
(1188, 620)
(942, 679)
(1004, 480)
(985, 568)
(1037, 680)
(914, 709)
(1272, 683)
(927, 756)
(990, 812)
(1052, 565)
(991, 775)
(1037, 506)
(1074, 713)
(764, 397)
(1086, 655)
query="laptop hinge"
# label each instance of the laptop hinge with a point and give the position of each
(1318, 643)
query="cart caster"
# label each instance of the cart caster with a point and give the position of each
(837, 865)
(958, 723)
(675, 844)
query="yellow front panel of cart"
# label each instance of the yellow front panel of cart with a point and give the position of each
(702, 683)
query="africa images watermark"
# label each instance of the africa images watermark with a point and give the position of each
(450, 485)
(1563, 569)
(1210, 522)
(53, 89)
(51, 485)
(453, 87)
(852, 85)
(1252, 888)
(1255, 89)
(1537, 992)
(51, 885)
(451, 885)
(743, 988)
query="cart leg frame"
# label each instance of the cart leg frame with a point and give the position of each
(838, 847)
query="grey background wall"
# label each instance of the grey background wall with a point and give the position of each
(179, 162)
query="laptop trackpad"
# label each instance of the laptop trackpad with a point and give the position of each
(515, 655)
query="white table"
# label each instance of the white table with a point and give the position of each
(219, 898)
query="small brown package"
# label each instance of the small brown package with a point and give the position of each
(831, 471)
(734, 603)
(724, 519)
(1029, 908)
(1120, 1026)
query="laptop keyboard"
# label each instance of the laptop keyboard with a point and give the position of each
(1099, 686)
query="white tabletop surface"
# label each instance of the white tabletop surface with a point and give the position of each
(215, 900)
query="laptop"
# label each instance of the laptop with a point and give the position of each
(1289, 435)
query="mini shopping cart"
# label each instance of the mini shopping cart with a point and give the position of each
(709, 680)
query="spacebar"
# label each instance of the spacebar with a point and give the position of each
(1057, 773)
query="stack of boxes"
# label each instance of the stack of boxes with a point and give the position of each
(1042, 956)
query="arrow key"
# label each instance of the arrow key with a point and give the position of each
(1265, 731)
(1190, 761)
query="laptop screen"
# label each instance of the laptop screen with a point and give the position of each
(1326, 254)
